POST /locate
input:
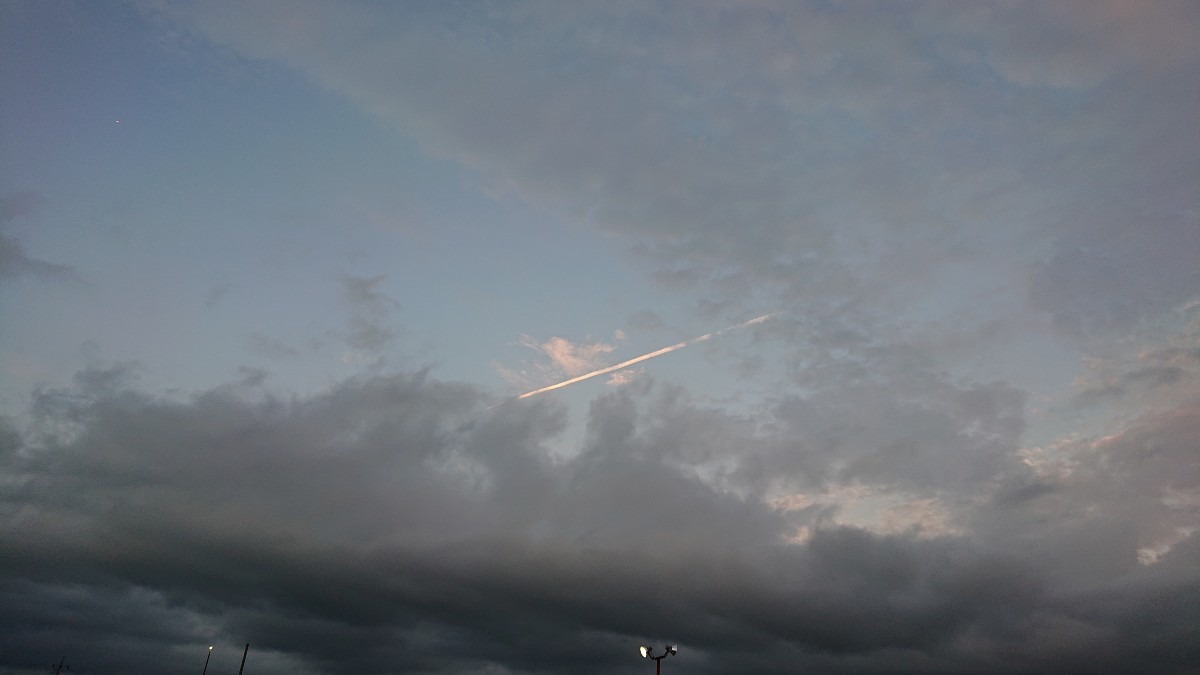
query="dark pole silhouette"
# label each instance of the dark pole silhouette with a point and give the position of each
(206, 660)
(59, 669)
(648, 653)
(244, 658)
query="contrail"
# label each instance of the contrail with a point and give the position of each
(645, 357)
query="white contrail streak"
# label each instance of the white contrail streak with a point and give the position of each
(644, 357)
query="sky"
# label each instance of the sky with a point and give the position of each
(917, 286)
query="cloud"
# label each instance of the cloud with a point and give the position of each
(14, 261)
(271, 348)
(814, 158)
(1157, 375)
(909, 429)
(623, 376)
(645, 320)
(882, 174)
(1148, 471)
(616, 368)
(216, 295)
(873, 509)
(1108, 504)
(1142, 378)
(569, 358)
(1122, 269)
(1079, 44)
(376, 524)
(369, 311)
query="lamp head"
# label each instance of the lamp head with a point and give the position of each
(672, 649)
(644, 650)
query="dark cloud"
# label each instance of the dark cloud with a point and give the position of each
(392, 524)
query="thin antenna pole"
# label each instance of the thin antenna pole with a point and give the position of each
(244, 658)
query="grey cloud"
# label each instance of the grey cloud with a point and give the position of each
(645, 320)
(1079, 44)
(14, 261)
(1123, 269)
(1109, 502)
(812, 155)
(392, 524)
(1140, 379)
(369, 312)
(252, 377)
(882, 415)
(758, 157)
(1190, 356)
(16, 204)
(217, 295)
(833, 161)
(1153, 455)
(266, 346)
(1161, 373)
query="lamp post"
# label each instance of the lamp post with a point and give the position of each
(206, 660)
(648, 653)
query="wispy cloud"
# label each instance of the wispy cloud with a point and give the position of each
(569, 357)
(369, 308)
(14, 261)
(644, 357)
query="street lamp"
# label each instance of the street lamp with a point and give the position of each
(648, 653)
(206, 660)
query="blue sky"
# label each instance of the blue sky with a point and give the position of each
(312, 252)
